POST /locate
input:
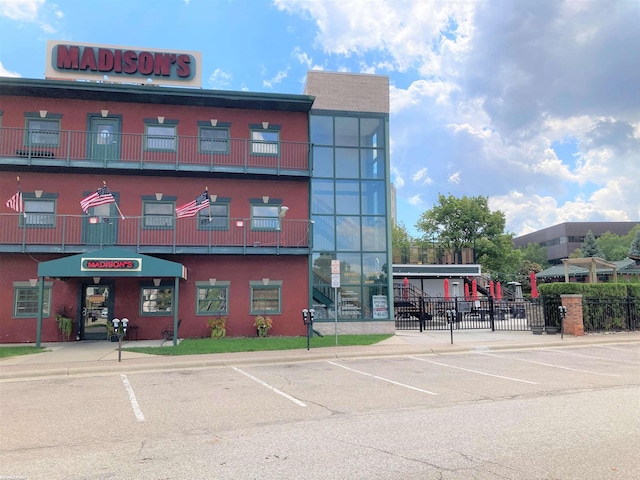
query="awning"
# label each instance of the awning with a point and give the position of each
(111, 262)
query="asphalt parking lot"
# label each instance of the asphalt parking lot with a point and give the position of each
(539, 413)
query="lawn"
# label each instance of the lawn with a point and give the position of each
(194, 346)
(15, 351)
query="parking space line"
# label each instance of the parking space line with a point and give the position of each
(476, 371)
(627, 350)
(383, 379)
(573, 354)
(132, 398)
(552, 365)
(270, 387)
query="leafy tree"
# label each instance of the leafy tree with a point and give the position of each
(461, 222)
(613, 247)
(400, 243)
(535, 253)
(498, 257)
(634, 248)
(590, 247)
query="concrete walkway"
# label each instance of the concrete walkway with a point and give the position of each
(101, 357)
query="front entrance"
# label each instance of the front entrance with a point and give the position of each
(97, 311)
(104, 139)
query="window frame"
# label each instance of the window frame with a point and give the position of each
(263, 147)
(150, 286)
(30, 198)
(53, 119)
(218, 285)
(220, 127)
(166, 200)
(153, 123)
(258, 203)
(203, 216)
(46, 299)
(259, 285)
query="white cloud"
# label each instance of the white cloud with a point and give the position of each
(455, 178)
(421, 177)
(281, 75)
(23, 10)
(220, 79)
(7, 73)
(416, 200)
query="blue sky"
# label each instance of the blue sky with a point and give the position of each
(534, 104)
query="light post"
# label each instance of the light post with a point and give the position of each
(120, 329)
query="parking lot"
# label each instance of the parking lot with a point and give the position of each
(556, 413)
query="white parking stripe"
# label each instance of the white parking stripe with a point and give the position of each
(551, 365)
(132, 398)
(270, 387)
(383, 379)
(619, 360)
(614, 348)
(475, 371)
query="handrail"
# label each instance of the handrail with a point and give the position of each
(73, 232)
(73, 148)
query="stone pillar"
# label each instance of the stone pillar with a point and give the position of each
(573, 323)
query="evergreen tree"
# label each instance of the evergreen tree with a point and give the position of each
(634, 249)
(590, 247)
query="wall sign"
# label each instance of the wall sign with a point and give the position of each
(111, 264)
(110, 63)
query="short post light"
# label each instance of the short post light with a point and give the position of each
(120, 330)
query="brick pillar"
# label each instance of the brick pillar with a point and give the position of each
(573, 323)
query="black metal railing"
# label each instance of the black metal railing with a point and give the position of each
(612, 314)
(138, 151)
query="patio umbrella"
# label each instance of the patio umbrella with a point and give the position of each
(474, 290)
(498, 291)
(446, 289)
(534, 286)
(491, 289)
(405, 287)
(466, 291)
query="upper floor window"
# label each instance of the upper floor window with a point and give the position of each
(161, 136)
(43, 132)
(213, 139)
(158, 215)
(265, 141)
(265, 216)
(39, 212)
(216, 217)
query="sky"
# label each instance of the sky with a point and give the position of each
(532, 104)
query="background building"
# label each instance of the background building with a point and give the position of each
(561, 240)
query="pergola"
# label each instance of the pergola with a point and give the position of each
(591, 263)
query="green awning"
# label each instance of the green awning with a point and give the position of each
(111, 262)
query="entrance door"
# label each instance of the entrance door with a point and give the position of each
(104, 139)
(97, 311)
(101, 226)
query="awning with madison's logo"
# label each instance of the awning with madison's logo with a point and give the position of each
(111, 262)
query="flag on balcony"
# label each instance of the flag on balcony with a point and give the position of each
(102, 196)
(190, 209)
(15, 202)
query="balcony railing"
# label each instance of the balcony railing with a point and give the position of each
(80, 233)
(20, 146)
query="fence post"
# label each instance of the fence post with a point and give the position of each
(573, 322)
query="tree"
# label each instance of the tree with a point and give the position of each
(590, 247)
(498, 257)
(535, 253)
(613, 247)
(460, 222)
(634, 248)
(400, 243)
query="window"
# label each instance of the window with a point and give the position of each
(212, 299)
(214, 140)
(216, 217)
(156, 300)
(265, 142)
(25, 304)
(265, 217)
(158, 215)
(160, 137)
(39, 212)
(266, 299)
(41, 132)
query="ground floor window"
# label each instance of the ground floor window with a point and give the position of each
(266, 297)
(156, 300)
(25, 300)
(212, 299)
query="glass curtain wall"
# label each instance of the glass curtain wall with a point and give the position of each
(349, 210)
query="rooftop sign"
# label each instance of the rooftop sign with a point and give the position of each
(110, 63)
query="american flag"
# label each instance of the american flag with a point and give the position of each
(191, 208)
(15, 202)
(102, 196)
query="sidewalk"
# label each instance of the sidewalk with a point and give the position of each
(101, 357)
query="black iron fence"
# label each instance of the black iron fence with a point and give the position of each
(612, 314)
